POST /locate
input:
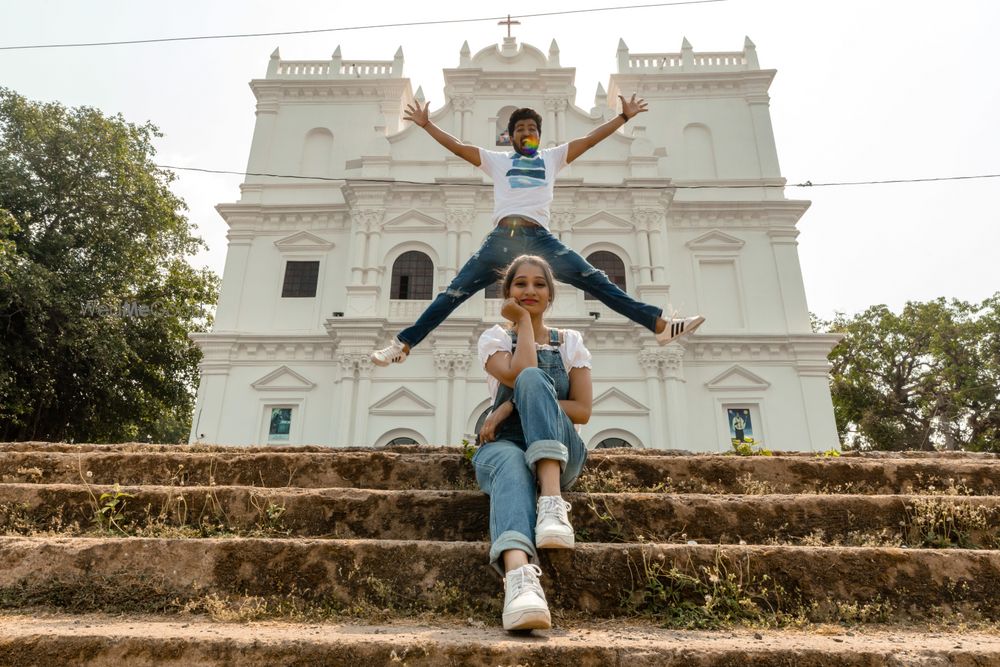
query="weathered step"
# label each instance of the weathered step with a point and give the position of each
(442, 467)
(153, 575)
(463, 515)
(103, 641)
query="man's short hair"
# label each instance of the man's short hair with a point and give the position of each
(523, 114)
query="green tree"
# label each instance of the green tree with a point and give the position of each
(96, 295)
(926, 378)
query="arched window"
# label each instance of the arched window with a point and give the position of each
(494, 291)
(412, 276)
(612, 443)
(612, 265)
(402, 441)
(503, 117)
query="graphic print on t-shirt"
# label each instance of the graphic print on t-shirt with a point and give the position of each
(526, 172)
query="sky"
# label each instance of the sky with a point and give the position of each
(865, 90)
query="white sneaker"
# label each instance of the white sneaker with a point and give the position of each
(552, 527)
(677, 328)
(524, 606)
(393, 354)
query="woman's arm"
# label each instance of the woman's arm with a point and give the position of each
(505, 366)
(581, 396)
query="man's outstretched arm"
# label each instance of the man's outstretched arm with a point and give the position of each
(421, 117)
(630, 108)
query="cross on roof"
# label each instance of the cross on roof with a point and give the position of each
(508, 23)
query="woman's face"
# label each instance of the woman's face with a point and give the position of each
(530, 289)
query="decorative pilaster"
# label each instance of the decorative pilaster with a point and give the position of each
(561, 224)
(665, 379)
(355, 382)
(784, 249)
(452, 365)
(459, 222)
(463, 105)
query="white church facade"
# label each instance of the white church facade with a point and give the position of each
(684, 207)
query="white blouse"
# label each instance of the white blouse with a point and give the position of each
(495, 339)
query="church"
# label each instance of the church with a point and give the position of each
(368, 218)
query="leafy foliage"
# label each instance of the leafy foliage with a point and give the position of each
(926, 378)
(96, 295)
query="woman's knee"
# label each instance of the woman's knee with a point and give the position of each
(532, 380)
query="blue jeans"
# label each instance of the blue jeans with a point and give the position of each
(501, 246)
(505, 469)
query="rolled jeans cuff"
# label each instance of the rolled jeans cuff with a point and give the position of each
(546, 449)
(510, 539)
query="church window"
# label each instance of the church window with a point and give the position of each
(412, 276)
(300, 279)
(612, 443)
(494, 290)
(612, 265)
(402, 441)
(503, 117)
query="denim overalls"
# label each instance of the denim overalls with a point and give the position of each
(537, 429)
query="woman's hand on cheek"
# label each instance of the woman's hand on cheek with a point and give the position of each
(512, 310)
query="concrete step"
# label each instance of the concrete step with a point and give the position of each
(602, 580)
(446, 468)
(106, 641)
(444, 515)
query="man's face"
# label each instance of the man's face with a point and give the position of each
(525, 129)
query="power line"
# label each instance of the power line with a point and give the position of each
(805, 184)
(358, 27)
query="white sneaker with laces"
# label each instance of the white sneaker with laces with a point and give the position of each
(678, 327)
(394, 354)
(552, 527)
(524, 605)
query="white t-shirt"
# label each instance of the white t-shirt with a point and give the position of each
(495, 339)
(523, 185)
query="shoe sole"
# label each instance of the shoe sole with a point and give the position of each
(555, 542)
(528, 619)
(382, 364)
(690, 330)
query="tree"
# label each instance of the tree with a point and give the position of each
(96, 295)
(927, 378)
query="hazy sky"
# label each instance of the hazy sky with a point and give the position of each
(865, 90)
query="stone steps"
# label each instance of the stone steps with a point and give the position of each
(446, 515)
(311, 544)
(107, 641)
(445, 468)
(607, 580)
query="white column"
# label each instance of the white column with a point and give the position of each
(233, 279)
(789, 272)
(460, 366)
(451, 261)
(656, 255)
(561, 121)
(371, 270)
(676, 396)
(346, 397)
(549, 126)
(649, 361)
(360, 431)
(764, 133)
(645, 269)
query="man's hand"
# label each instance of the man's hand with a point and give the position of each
(513, 311)
(418, 115)
(632, 107)
(489, 430)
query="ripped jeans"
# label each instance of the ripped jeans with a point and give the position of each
(498, 250)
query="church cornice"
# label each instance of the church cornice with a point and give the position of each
(761, 214)
(752, 83)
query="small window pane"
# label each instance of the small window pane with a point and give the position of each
(612, 443)
(281, 425)
(494, 291)
(402, 441)
(300, 279)
(412, 276)
(612, 265)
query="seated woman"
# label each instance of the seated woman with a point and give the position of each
(540, 382)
